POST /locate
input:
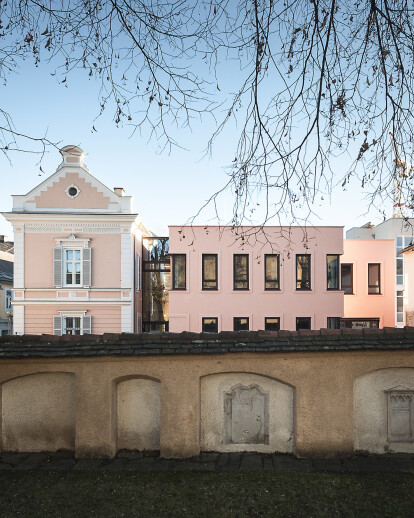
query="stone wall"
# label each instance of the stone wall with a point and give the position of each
(313, 394)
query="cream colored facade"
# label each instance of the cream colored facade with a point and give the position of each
(77, 244)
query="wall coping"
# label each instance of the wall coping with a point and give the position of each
(226, 342)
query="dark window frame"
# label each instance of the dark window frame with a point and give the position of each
(247, 273)
(266, 280)
(309, 269)
(173, 256)
(379, 279)
(303, 318)
(339, 272)
(208, 288)
(271, 318)
(240, 318)
(209, 318)
(343, 288)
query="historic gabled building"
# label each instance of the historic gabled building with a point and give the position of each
(77, 245)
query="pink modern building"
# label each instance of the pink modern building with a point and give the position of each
(77, 244)
(368, 283)
(250, 278)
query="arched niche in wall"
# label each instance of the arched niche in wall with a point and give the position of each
(38, 412)
(243, 411)
(138, 414)
(384, 411)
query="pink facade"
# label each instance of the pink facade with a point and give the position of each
(371, 293)
(313, 303)
(77, 244)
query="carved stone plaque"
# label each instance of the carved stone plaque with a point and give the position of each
(400, 415)
(246, 415)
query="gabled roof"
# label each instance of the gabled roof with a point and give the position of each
(72, 189)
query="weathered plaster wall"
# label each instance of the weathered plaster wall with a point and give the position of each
(38, 412)
(322, 381)
(138, 412)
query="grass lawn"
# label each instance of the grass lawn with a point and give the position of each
(240, 494)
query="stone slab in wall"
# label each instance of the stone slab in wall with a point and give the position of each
(246, 415)
(246, 412)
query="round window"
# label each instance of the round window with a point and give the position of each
(72, 191)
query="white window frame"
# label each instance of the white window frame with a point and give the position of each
(65, 261)
(64, 327)
(72, 314)
(72, 243)
(8, 296)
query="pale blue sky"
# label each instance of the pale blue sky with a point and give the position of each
(168, 188)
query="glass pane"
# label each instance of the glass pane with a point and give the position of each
(77, 255)
(346, 278)
(77, 267)
(68, 278)
(69, 267)
(400, 279)
(69, 322)
(302, 272)
(399, 241)
(77, 322)
(272, 324)
(400, 265)
(407, 241)
(400, 317)
(241, 324)
(241, 274)
(333, 323)
(373, 278)
(155, 295)
(179, 272)
(69, 255)
(209, 272)
(210, 325)
(400, 293)
(400, 303)
(271, 272)
(303, 323)
(332, 267)
(77, 278)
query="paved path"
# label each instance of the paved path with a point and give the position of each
(218, 462)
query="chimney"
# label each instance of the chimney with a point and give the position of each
(2, 238)
(119, 191)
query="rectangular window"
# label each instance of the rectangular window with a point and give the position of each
(333, 323)
(332, 272)
(8, 299)
(209, 272)
(210, 325)
(374, 279)
(400, 269)
(178, 271)
(347, 278)
(240, 272)
(72, 267)
(272, 323)
(303, 323)
(240, 323)
(72, 325)
(400, 306)
(303, 269)
(272, 280)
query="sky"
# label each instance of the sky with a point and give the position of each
(168, 187)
